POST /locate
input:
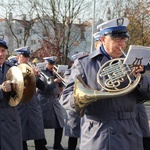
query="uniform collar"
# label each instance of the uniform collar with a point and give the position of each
(95, 53)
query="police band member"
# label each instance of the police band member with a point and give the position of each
(142, 119)
(97, 42)
(51, 108)
(72, 124)
(10, 125)
(12, 59)
(30, 112)
(108, 123)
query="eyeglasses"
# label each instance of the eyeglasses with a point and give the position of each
(119, 39)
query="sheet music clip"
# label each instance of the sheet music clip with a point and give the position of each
(62, 68)
(41, 66)
(137, 55)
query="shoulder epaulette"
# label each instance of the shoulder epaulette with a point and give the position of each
(8, 63)
(84, 55)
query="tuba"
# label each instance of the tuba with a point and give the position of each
(115, 78)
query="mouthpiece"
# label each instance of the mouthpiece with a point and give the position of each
(122, 51)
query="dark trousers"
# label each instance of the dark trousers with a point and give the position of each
(72, 143)
(58, 137)
(39, 144)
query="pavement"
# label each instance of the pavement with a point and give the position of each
(49, 133)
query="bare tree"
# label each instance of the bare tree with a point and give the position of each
(139, 27)
(18, 29)
(138, 12)
(57, 18)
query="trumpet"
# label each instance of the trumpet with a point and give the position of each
(41, 74)
(48, 79)
(59, 76)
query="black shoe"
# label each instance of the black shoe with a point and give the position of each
(58, 147)
(44, 148)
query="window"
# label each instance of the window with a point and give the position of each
(33, 42)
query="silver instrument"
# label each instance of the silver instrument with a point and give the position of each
(59, 76)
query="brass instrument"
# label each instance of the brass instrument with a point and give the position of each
(59, 76)
(49, 80)
(114, 77)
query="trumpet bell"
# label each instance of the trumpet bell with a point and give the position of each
(29, 82)
(14, 74)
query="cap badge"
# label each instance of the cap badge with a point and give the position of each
(1, 37)
(120, 21)
(28, 48)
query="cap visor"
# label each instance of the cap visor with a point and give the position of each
(4, 46)
(119, 34)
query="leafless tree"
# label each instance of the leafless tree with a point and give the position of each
(138, 12)
(22, 20)
(57, 23)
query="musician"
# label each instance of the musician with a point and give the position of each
(49, 100)
(97, 42)
(72, 124)
(30, 112)
(12, 59)
(109, 123)
(142, 120)
(10, 124)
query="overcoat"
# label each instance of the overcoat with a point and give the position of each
(142, 119)
(72, 120)
(53, 116)
(110, 123)
(10, 125)
(31, 117)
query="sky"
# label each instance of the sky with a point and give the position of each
(7, 5)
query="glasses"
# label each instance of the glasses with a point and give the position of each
(119, 39)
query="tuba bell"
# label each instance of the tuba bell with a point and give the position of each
(115, 78)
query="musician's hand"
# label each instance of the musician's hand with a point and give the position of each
(140, 69)
(57, 80)
(6, 86)
(36, 72)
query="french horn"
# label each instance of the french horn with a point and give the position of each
(115, 78)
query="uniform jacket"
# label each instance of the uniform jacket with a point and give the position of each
(31, 117)
(10, 125)
(109, 124)
(72, 122)
(51, 108)
(142, 119)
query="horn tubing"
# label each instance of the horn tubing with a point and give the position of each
(84, 95)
